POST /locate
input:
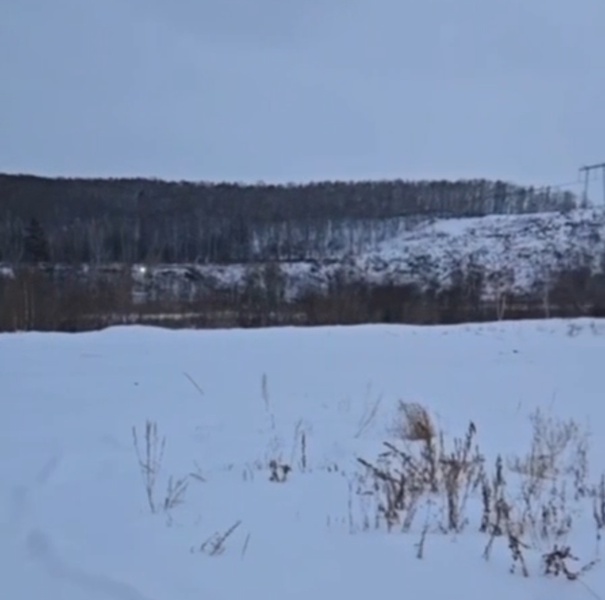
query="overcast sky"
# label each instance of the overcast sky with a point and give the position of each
(297, 90)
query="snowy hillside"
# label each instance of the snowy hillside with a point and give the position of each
(263, 431)
(515, 252)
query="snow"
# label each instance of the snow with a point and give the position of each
(74, 518)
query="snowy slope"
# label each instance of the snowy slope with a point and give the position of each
(516, 253)
(74, 518)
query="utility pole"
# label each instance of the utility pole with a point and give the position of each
(586, 170)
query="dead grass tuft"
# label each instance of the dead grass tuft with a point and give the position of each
(419, 466)
(150, 456)
(414, 423)
(555, 563)
(531, 501)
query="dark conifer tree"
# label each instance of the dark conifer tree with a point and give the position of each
(35, 243)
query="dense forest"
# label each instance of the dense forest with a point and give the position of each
(101, 221)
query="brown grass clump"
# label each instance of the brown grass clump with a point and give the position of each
(530, 501)
(414, 423)
(419, 467)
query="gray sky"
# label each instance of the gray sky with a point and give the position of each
(297, 90)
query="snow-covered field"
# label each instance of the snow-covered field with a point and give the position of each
(76, 523)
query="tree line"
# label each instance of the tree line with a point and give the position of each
(47, 298)
(101, 221)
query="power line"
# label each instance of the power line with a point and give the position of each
(586, 170)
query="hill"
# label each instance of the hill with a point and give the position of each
(100, 252)
(141, 220)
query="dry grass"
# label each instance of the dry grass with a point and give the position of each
(215, 545)
(551, 480)
(420, 465)
(558, 449)
(150, 458)
(531, 500)
(413, 423)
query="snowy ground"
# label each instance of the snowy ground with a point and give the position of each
(74, 517)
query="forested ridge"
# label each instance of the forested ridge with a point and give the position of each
(99, 221)
(79, 254)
